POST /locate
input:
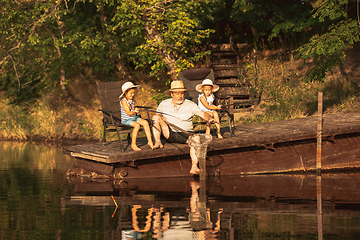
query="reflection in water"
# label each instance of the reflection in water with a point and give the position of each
(38, 202)
(199, 214)
(319, 207)
(155, 218)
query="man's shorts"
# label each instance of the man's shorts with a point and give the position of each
(177, 137)
(130, 120)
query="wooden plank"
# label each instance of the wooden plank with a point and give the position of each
(232, 91)
(230, 81)
(220, 66)
(92, 166)
(227, 73)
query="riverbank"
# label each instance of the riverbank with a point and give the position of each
(278, 78)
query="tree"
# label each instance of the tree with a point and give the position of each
(265, 21)
(342, 31)
(170, 30)
(46, 44)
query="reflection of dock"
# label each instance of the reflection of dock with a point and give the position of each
(290, 200)
(277, 147)
(337, 188)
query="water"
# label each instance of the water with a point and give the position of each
(38, 201)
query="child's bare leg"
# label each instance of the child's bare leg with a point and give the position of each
(207, 131)
(217, 124)
(208, 125)
(145, 124)
(135, 132)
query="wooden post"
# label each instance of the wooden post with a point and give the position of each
(319, 132)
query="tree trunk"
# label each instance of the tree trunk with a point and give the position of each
(154, 35)
(62, 79)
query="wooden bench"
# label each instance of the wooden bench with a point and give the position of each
(195, 76)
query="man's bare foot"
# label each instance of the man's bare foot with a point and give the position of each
(194, 185)
(158, 145)
(151, 145)
(135, 148)
(219, 135)
(194, 170)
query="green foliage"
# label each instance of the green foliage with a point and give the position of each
(169, 29)
(159, 96)
(265, 20)
(44, 37)
(326, 50)
(40, 39)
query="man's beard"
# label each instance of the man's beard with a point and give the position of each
(179, 102)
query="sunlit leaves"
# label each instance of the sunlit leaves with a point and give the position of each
(326, 50)
(174, 26)
(331, 9)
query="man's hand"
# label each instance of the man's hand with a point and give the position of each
(163, 118)
(208, 118)
(212, 120)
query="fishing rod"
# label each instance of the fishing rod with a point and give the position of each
(148, 110)
(170, 124)
(182, 130)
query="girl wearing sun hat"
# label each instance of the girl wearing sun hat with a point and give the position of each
(205, 102)
(129, 114)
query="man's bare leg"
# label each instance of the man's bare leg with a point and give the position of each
(194, 162)
(159, 127)
(194, 159)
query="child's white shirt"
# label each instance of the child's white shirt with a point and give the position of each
(209, 101)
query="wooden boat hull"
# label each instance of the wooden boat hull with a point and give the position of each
(339, 153)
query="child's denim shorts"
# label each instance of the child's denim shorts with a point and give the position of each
(130, 120)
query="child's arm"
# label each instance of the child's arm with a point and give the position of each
(127, 109)
(210, 107)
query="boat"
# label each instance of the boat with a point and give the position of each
(288, 146)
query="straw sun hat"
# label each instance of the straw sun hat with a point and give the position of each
(207, 82)
(177, 86)
(126, 86)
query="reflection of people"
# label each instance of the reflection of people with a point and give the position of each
(160, 223)
(177, 111)
(129, 114)
(205, 101)
(195, 215)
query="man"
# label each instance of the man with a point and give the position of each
(177, 111)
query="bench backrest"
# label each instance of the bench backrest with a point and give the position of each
(109, 93)
(192, 77)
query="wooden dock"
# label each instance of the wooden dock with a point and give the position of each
(282, 146)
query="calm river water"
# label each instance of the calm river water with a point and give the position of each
(39, 201)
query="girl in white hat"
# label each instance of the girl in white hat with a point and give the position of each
(129, 114)
(205, 101)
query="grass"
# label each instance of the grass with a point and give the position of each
(286, 96)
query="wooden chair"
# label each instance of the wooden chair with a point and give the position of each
(195, 76)
(109, 93)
